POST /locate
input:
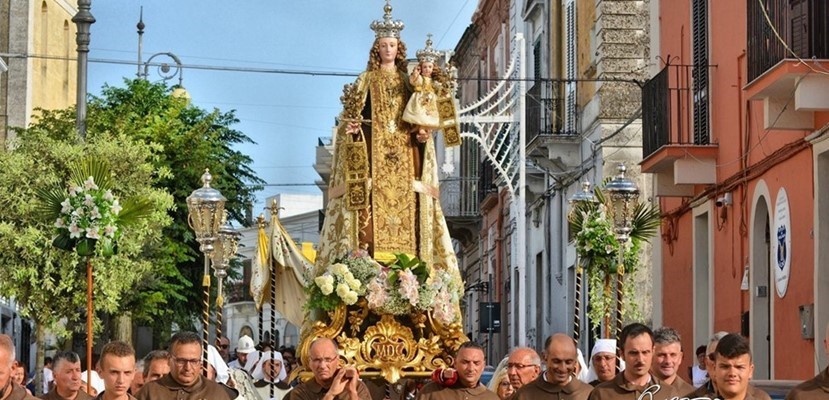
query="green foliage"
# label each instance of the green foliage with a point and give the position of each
(185, 140)
(157, 146)
(604, 258)
(49, 284)
(403, 262)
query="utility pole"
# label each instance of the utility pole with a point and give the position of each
(83, 19)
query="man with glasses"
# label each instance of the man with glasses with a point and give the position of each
(559, 380)
(331, 380)
(523, 366)
(185, 379)
(223, 345)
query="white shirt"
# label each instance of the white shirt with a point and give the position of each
(47, 378)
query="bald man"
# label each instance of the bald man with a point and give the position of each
(559, 381)
(331, 380)
(817, 387)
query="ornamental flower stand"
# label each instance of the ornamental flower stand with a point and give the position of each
(384, 346)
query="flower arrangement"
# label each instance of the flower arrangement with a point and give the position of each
(406, 285)
(342, 281)
(88, 216)
(599, 254)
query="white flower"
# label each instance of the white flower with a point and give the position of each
(110, 230)
(116, 208)
(60, 223)
(108, 196)
(350, 298)
(326, 289)
(88, 201)
(339, 269)
(353, 283)
(79, 212)
(75, 190)
(74, 231)
(66, 206)
(324, 279)
(92, 232)
(89, 183)
(95, 213)
(342, 290)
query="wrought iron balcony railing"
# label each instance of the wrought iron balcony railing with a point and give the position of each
(675, 108)
(800, 25)
(547, 105)
(459, 197)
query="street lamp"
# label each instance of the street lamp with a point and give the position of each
(166, 70)
(585, 196)
(84, 20)
(225, 250)
(624, 196)
(205, 206)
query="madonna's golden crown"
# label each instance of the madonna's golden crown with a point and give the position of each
(387, 28)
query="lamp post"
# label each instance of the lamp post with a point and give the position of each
(624, 196)
(83, 19)
(225, 250)
(585, 196)
(206, 206)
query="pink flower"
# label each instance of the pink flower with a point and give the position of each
(60, 223)
(409, 286)
(376, 292)
(92, 232)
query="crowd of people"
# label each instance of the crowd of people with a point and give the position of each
(645, 366)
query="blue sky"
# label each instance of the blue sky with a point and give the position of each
(284, 114)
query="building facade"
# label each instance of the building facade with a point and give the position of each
(38, 38)
(735, 130)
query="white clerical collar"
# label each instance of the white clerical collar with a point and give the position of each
(544, 376)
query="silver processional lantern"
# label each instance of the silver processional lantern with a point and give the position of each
(584, 196)
(624, 196)
(206, 206)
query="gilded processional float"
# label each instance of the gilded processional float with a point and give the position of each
(385, 284)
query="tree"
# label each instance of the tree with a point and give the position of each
(186, 140)
(47, 283)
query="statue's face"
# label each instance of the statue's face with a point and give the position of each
(388, 50)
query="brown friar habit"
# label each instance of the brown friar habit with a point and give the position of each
(707, 391)
(620, 389)
(815, 388)
(166, 388)
(541, 389)
(433, 391)
(680, 386)
(19, 393)
(53, 395)
(311, 390)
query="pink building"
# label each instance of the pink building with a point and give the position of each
(734, 131)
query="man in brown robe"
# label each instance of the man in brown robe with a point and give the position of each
(8, 389)
(66, 370)
(331, 381)
(523, 366)
(667, 346)
(185, 380)
(636, 380)
(469, 363)
(733, 368)
(559, 381)
(817, 387)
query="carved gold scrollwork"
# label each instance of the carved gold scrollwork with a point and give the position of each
(384, 345)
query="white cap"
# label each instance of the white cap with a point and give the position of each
(245, 345)
(604, 346)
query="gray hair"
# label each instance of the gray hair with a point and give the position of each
(666, 335)
(69, 356)
(534, 357)
(715, 338)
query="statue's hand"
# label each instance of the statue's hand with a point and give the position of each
(423, 135)
(353, 128)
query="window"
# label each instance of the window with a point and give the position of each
(699, 31)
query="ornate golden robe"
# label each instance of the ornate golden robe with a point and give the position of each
(403, 213)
